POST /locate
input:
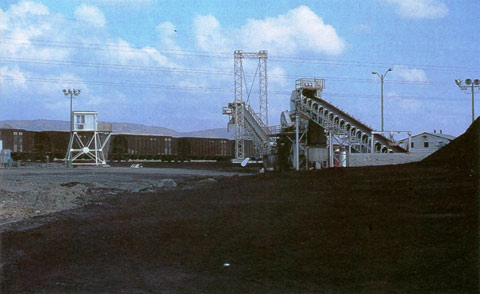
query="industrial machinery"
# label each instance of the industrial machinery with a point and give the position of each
(335, 133)
(247, 123)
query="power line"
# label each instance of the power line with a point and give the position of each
(113, 84)
(113, 66)
(365, 64)
(204, 89)
(193, 71)
(111, 47)
(212, 54)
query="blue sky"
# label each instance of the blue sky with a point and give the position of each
(170, 63)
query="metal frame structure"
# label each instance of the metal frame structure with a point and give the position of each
(299, 142)
(241, 108)
(88, 144)
(342, 129)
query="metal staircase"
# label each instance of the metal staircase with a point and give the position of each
(254, 128)
(306, 98)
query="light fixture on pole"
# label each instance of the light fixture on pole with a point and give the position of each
(472, 84)
(382, 77)
(71, 93)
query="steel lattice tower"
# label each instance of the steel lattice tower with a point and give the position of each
(239, 79)
(238, 111)
(263, 86)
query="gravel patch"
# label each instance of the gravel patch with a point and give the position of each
(43, 189)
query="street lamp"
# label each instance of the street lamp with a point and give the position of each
(381, 79)
(71, 93)
(472, 85)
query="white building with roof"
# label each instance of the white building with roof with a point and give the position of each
(427, 142)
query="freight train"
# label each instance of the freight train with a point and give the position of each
(32, 145)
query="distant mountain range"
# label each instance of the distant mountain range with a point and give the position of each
(118, 128)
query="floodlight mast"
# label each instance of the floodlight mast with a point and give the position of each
(472, 84)
(71, 93)
(382, 77)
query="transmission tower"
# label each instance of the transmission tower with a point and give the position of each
(240, 105)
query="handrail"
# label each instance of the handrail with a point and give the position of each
(327, 122)
(258, 120)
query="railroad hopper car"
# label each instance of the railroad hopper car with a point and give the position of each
(19, 141)
(141, 147)
(167, 148)
(50, 143)
(31, 145)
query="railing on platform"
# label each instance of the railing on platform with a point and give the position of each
(258, 120)
(275, 130)
(310, 83)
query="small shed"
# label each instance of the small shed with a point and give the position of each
(84, 121)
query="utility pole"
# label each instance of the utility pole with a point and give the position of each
(71, 93)
(382, 77)
(472, 85)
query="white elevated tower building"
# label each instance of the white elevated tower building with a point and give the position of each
(88, 139)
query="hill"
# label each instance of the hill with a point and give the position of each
(211, 133)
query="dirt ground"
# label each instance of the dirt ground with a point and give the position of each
(402, 229)
(39, 189)
(410, 228)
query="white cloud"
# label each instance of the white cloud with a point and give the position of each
(409, 74)
(24, 8)
(3, 20)
(40, 40)
(300, 29)
(166, 33)
(121, 2)
(20, 45)
(95, 101)
(62, 81)
(429, 9)
(209, 35)
(277, 75)
(90, 14)
(52, 96)
(403, 103)
(12, 76)
(23, 26)
(124, 53)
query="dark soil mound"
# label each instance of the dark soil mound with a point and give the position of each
(463, 152)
